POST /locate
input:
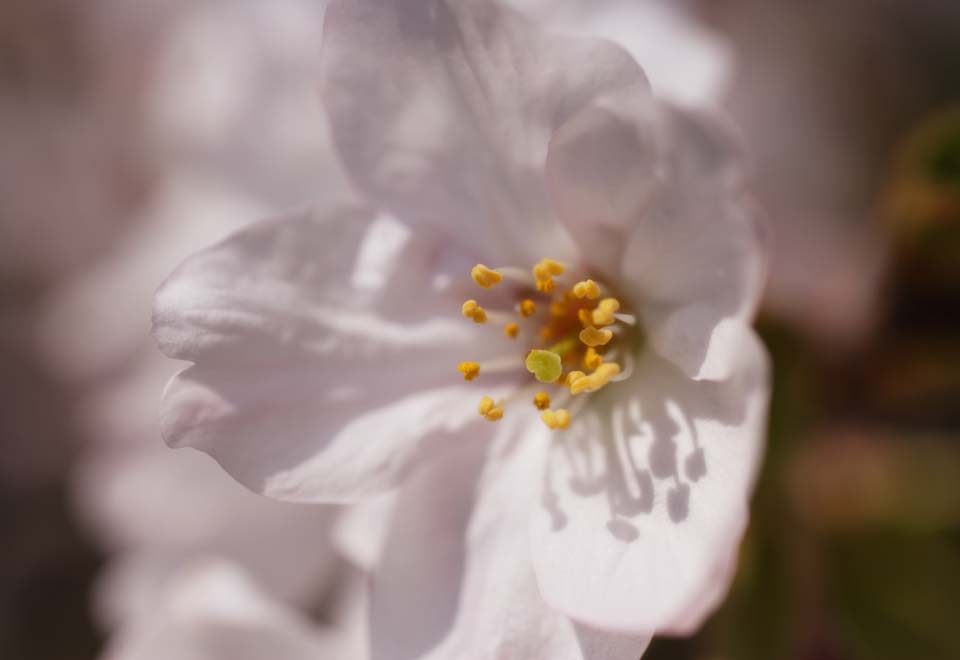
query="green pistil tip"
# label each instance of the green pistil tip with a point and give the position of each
(544, 365)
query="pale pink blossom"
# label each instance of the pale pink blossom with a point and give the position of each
(325, 344)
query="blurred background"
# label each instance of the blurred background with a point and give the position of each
(133, 132)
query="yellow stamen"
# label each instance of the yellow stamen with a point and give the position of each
(527, 307)
(585, 316)
(485, 277)
(511, 330)
(603, 314)
(546, 286)
(598, 379)
(572, 377)
(486, 405)
(545, 366)
(472, 310)
(586, 289)
(592, 359)
(541, 400)
(556, 419)
(489, 409)
(470, 370)
(593, 337)
(557, 309)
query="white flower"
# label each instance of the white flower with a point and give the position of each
(326, 345)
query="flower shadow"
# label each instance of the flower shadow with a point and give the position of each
(638, 447)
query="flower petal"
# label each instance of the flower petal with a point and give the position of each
(646, 499)
(654, 195)
(443, 110)
(310, 382)
(457, 581)
(213, 612)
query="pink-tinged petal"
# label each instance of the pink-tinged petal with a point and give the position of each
(646, 497)
(361, 530)
(653, 195)
(457, 583)
(312, 381)
(442, 112)
(695, 259)
(212, 611)
(685, 61)
(161, 509)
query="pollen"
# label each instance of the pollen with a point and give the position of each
(485, 277)
(470, 370)
(490, 410)
(597, 380)
(593, 337)
(556, 419)
(603, 314)
(546, 286)
(472, 310)
(541, 400)
(592, 359)
(569, 329)
(546, 366)
(586, 289)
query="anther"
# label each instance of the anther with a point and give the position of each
(472, 310)
(556, 419)
(490, 410)
(596, 380)
(592, 359)
(593, 337)
(485, 277)
(541, 400)
(527, 308)
(546, 286)
(585, 316)
(511, 330)
(604, 313)
(572, 377)
(470, 370)
(586, 289)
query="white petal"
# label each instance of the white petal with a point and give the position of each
(646, 499)
(443, 110)
(684, 60)
(361, 530)
(305, 386)
(695, 259)
(213, 612)
(161, 509)
(456, 582)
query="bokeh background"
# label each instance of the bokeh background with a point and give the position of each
(133, 132)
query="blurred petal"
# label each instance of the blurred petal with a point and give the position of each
(646, 498)
(159, 509)
(306, 386)
(457, 582)
(442, 112)
(212, 612)
(685, 61)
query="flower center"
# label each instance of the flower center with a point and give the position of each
(571, 332)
